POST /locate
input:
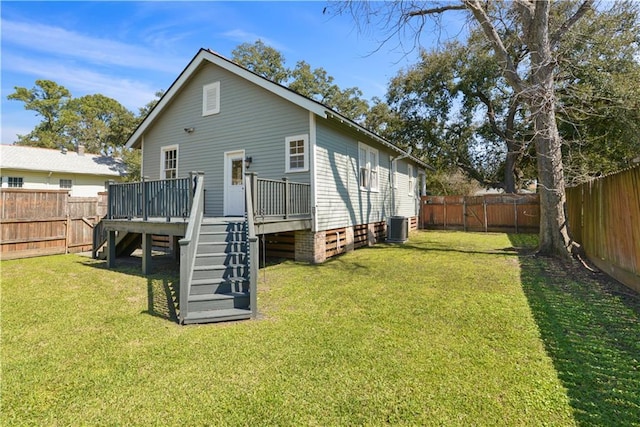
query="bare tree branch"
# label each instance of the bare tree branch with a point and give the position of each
(584, 7)
(436, 10)
(511, 74)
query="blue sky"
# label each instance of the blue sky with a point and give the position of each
(130, 50)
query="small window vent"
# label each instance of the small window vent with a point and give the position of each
(211, 99)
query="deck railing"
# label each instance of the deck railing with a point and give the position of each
(253, 254)
(189, 243)
(172, 198)
(280, 198)
(167, 198)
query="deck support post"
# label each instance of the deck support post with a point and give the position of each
(111, 249)
(147, 244)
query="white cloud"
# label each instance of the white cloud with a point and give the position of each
(64, 43)
(131, 93)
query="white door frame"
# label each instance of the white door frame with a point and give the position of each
(230, 206)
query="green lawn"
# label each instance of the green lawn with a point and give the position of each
(448, 329)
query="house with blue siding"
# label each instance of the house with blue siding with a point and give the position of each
(250, 160)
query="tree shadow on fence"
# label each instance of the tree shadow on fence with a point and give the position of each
(590, 325)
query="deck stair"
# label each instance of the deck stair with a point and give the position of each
(219, 288)
(126, 244)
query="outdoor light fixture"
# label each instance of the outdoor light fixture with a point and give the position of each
(247, 161)
(189, 130)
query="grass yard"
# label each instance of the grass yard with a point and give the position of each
(448, 329)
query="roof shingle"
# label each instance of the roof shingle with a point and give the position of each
(43, 159)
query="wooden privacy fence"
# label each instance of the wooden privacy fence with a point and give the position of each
(604, 216)
(500, 212)
(46, 222)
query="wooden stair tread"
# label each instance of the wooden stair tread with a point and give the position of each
(219, 280)
(208, 297)
(211, 316)
(217, 267)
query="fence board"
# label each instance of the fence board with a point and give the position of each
(604, 216)
(45, 222)
(510, 213)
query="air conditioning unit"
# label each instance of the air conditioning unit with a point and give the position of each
(397, 229)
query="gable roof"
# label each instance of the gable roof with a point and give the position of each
(25, 158)
(205, 55)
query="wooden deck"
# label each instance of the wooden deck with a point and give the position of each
(178, 226)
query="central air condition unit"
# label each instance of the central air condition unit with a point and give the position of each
(397, 229)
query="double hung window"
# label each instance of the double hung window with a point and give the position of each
(169, 162)
(15, 182)
(297, 153)
(368, 167)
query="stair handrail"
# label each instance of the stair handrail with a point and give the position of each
(189, 243)
(250, 180)
(99, 238)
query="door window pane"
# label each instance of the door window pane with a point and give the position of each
(236, 172)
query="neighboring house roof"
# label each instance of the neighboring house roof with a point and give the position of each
(282, 91)
(19, 157)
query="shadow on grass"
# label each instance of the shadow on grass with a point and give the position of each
(162, 298)
(433, 247)
(163, 284)
(590, 325)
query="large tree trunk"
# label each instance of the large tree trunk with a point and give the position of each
(555, 238)
(510, 169)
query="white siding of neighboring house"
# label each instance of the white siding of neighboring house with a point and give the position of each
(82, 185)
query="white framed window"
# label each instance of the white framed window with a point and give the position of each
(15, 182)
(169, 162)
(66, 184)
(297, 153)
(211, 99)
(412, 180)
(368, 167)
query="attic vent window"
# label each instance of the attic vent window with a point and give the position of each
(211, 99)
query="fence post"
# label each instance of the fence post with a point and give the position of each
(286, 197)
(464, 213)
(444, 210)
(484, 208)
(515, 212)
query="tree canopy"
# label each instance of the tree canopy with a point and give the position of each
(99, 123)
(314, 83)
(459, 110)
(524, 39)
